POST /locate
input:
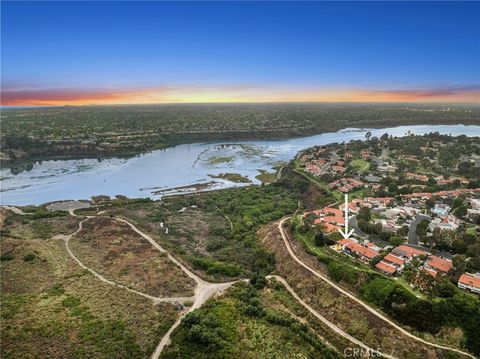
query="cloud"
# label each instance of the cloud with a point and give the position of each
(29, 96)
(71, 96)
(471, 91)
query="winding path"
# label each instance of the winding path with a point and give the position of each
(332, 326)
(351, 296)
(203, 290)
(156, 300)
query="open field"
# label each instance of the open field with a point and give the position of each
(53, 308)
(360, 164)
(59, 132)
(114, 250)
(193, 234)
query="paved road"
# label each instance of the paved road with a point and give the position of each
(353, 297)
(412, 235)
(353, 223)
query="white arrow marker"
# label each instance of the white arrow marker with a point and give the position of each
(346, 234)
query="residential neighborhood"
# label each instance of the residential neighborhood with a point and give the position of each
(410, 216)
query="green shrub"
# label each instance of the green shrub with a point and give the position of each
(341, 272)
(43, 213)
(7, 257)
(212, 267)
(29, 257)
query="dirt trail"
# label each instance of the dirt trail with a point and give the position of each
(371, 351)
(156, 300)
(353, 297)
(204, 290)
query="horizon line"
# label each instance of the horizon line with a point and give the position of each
(434, 103)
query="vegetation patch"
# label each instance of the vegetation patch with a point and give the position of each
(114, 250)
(246, 323)
(266, 177)
(232, 177)
(51, 308)
(220, 159)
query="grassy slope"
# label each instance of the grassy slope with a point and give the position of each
(246, 323)
(114, 250)
(51, 308)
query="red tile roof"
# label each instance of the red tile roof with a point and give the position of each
(344, 242)
(385, 200)
(440, 264)
(328, 227)
(364, 251)
(470, 280)
(333, 219)
(385, 267)
(333, 211)
(351, 206)
(393, 259)
(408, 251)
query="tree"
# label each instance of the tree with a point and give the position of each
(446, 238)
(444, 288)
(276, 200)
(364, 214)
(392, 187)
(430, 202)
(459, 201)
(464, 167)
(309, 219)
(422, 228)
(459, 264)
(403, 231)
(460, 211)
(322, 240)
(374, 261)
(396, 241)
(334, 236)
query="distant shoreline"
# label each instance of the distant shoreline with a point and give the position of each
(215, 136)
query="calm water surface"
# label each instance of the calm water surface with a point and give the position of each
(181, 165)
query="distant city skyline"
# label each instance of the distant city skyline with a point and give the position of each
(79, 53)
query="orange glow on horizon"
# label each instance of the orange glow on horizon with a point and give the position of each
(228, 94)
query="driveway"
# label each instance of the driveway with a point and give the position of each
(412, 235)
(353, 223)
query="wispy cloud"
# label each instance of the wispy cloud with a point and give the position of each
(231, 93)
(471, 91)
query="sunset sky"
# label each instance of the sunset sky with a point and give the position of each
(76, 53)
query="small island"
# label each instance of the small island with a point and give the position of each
(232, 177)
